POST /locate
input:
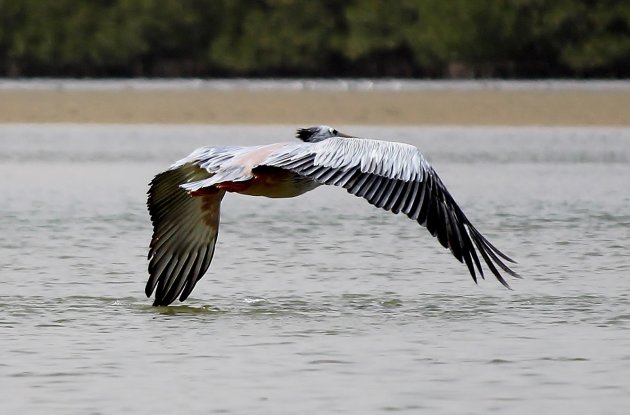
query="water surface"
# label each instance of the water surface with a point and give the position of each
(319, 304)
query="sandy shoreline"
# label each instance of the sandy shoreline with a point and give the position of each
(428, 107)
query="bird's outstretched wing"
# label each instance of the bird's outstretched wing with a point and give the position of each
(185, 231)
(397, 178)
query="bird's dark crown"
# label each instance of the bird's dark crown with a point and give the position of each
(315, 134)
(305, 134)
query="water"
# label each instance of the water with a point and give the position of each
(320, 304)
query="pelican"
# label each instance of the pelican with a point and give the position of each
(184, 201)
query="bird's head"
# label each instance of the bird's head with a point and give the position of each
(318, 133)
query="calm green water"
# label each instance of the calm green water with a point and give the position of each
(320, 304)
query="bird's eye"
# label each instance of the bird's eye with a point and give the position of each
(333, 131)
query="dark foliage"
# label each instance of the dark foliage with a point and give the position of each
(317, 38)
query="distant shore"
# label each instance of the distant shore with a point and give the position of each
(441, 104)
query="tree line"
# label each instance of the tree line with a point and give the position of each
(315, 38)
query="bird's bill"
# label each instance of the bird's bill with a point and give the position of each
(340, 134)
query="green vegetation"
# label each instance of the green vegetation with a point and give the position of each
(371, 38)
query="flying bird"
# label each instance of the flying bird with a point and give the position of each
(184, 201)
